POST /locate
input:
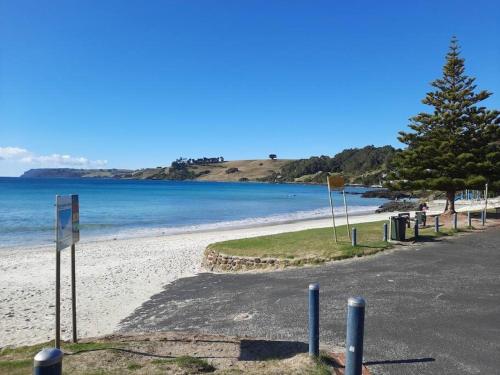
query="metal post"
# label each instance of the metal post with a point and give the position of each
(346, 215)
(355, 331)
(58, 287)
(333, 215)
(436, 224)
(486, 198)
(483, 217)
(58, 299)
(416, 229)
(354, 239)
(314, 320)
(455, 221)
(385, 233)
(73, 292)
(48, 362)
(469, 219)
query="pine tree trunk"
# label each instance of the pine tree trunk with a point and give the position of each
(450, 202)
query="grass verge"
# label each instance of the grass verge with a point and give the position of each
(311, 243)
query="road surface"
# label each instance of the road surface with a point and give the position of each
(432, 308)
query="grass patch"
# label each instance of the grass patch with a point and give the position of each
(133, 366)
(30, 351)
(89, 346)
(308, 243)
(320, 368)
(187, 363)
(25, 350)
(16, 364)
(17, 361)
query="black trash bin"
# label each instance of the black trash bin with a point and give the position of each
(405, 215)
(398, 228)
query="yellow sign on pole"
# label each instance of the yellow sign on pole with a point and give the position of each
(335, 181)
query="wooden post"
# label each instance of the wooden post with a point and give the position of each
(73, 292)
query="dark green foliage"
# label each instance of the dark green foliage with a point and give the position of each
(179, 171)
(457, 145)
(232, 170)
(354, 161)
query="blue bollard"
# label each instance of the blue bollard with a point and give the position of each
(355, 332)
(385, 233)
(354, 237)
(483, 217)
(436, 224)
(455, 221)
(469, 219)
(314, 320)
(416, 229)
(48, 362)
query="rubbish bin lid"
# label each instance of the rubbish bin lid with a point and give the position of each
(48, 357)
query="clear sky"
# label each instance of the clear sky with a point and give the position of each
(133, 84)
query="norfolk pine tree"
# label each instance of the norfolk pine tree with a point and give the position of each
(455, 147)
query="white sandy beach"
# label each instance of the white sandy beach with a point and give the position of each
(114, 277)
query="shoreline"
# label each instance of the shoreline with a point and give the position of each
(114, 277)
(139, 233)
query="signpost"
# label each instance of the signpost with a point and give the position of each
(334, 182)
(75, 207)
(67, 234)
(346, 213)
(486, 198)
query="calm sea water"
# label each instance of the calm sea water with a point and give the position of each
(129, 208)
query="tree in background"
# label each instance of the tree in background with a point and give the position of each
(457, 145)
(272, 156)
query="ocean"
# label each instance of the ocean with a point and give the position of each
(134, 208)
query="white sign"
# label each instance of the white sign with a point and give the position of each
(66, 221)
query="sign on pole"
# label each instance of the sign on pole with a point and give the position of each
(335, 181)
(67, 234)
(64, 220)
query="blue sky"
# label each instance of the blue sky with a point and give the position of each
(133, 84)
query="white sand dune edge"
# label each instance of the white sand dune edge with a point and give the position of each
(113, 278)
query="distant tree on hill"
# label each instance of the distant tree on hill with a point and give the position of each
(456, 146)
(273, 156)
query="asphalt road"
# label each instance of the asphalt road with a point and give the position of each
(431, 309)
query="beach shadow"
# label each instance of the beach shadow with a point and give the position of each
(399, 361)
(261, 350)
